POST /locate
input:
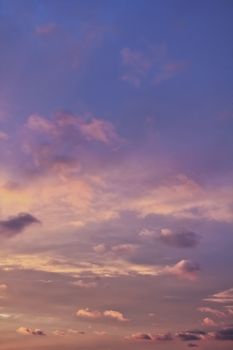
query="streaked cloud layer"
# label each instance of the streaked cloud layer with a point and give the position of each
(116, 194)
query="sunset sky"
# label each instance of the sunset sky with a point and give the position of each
(116, 174)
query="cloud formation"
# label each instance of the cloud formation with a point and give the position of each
(94, 314)
(223, 297)
(16, 224)
(185, 239)
(30, 331)
(184, 269)
(224, 334)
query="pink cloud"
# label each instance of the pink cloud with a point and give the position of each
(116, 315)
(184, 269)
(152, 62)
(94, 314)
(97, 129)
(86, 313)
(225, 296)
(208, 322)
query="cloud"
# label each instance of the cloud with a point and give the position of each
(189, 336)
(149, 337)
(38, 123)
(225, 296)
(147, 233)
(116, 315)
(84, 284)
(140, 65)
(112, 314)
(184, 269)
(86, 313)
(29, 331)
(185, 239)
(16, 224)
(137, 65)
(163, 337)
(224, 334)
(91, 128)
(140, 336)
(124, 249)
(98, 130)
(208, 322)
(212, 311)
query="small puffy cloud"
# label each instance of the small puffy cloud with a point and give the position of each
(16, 224)
(212, 311)
(208, 322)
(224, 334)
(94, 314)
(147, 233)
(89, 314)
(29, 331)
(184, 239)
(184, 269)
(116, 315)
(140, 336)
(225, 296)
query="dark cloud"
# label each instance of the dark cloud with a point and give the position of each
(29, 331)
(16, 224)
(192, 345)
(224, 334)
(184, 239)
(188, 336)
(197, 331)
(140, 336)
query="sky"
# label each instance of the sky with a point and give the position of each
(116, 169)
